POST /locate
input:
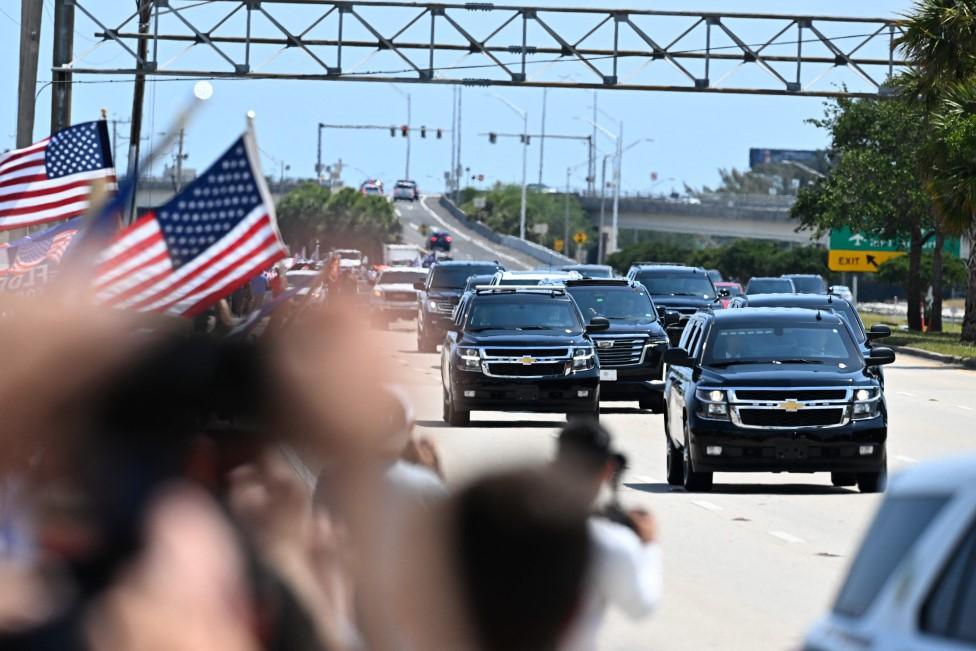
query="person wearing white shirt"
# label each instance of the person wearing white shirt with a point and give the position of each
(625, 569)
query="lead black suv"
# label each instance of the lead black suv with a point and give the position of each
(685, 290)
(439, 294)
(774, 390)
(515, 348)
(631, 351)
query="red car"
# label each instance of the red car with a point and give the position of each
(734, 289)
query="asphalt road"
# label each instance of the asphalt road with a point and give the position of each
(750, 565)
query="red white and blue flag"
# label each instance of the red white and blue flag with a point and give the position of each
(51, 180)
(28, 265)
(207, 241)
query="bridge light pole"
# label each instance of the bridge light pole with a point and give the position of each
(406, 174)
(525, 154)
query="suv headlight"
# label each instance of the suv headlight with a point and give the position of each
(866, 401)
(377, 292)
(432, 305)
(583, 359)
(712, 404)
(470, 359)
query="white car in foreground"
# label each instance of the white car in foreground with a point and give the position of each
(912, 586)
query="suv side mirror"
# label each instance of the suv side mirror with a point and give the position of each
(419, 285)
(678, 357)
(671, 318)
(598, 324)
(880, 356)
(724, 293)
(878, 331)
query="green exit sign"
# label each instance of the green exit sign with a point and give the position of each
(844, 239)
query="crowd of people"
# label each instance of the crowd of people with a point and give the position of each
(166, 487)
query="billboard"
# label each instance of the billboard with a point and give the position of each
(810, 157)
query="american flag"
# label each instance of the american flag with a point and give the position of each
(51, 180)
(207, 241)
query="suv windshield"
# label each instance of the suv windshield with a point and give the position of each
(809, 284)
(523, 313)
(406, 277)
(615, 303)
(796, 343)
(454, 277)
(664, 283)
(770, 286)
(350, 255)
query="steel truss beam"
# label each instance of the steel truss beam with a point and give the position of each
(600, 48)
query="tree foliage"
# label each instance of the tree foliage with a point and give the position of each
(342, 219)
(741, 260)
(895, 270)
(502, 206)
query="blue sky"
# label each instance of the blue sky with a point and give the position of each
(693, 134)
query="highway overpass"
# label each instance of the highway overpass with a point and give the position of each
(715, 216)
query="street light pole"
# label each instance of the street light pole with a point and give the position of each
(614, 232)
(318, 163)
(407, 96)
(603, 203)
(542, 140)
(525, 158)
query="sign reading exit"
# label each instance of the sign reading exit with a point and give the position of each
(851, 251)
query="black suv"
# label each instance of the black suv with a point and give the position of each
(439, 241)
(515, 348)
(686, 290)
(438, 296)
(774, 390)
(842, 307)
(631, 351)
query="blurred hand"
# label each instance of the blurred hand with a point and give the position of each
(644, 525)
(424, 453)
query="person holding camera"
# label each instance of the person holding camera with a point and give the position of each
(625, 562)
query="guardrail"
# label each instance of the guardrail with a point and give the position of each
(536, 251)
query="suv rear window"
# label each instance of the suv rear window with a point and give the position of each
(770, 286)
(809, 284)
(900, 522)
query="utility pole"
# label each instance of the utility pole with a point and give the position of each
(614, 234)
(406, 174)
(30, 42)
(592, 180)
(64, 33)
(138, 95)
(178, 181)
(460, 167)
(318, 158)
(569, 171)
(452, 175)
(601, 252)
(542, 141)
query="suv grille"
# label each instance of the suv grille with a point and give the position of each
(802, 418)
(400, 296)
(776, 395)
(550, 369)
(624, 352)
(526, 352)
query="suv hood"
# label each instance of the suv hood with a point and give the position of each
(785, 375)
(517, 339)
(395, 287)
(653, 329)
(682, 301)
(444, 293)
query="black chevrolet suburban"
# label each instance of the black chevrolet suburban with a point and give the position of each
(439, 294)
(685, 290)
(631, 351)
(520, 348)
(774, 390)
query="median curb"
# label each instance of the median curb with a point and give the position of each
(966, 362)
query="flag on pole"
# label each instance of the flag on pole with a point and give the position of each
(28, 265)
(207, 241)
(51, 180)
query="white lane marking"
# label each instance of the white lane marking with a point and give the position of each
(965, 407)
(465, 236)
(905, 459)
(905, 393)
(414, 226)
(786, 537)
(397, 212)
(708, 506)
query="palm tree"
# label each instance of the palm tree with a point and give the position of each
(940, 39)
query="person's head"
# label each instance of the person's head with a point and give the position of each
(585, 452)
(520, 546)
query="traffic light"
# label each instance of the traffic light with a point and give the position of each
(404, 130)
(493, 138)
(440, 133)
(393, 132)
(423, 132)
(524, 139)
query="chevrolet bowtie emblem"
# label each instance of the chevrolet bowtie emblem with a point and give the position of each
(604, 344)
(790, 405)
(528, 361)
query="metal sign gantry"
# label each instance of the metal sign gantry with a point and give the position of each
(484, 44)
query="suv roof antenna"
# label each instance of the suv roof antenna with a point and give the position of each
(819, 317)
